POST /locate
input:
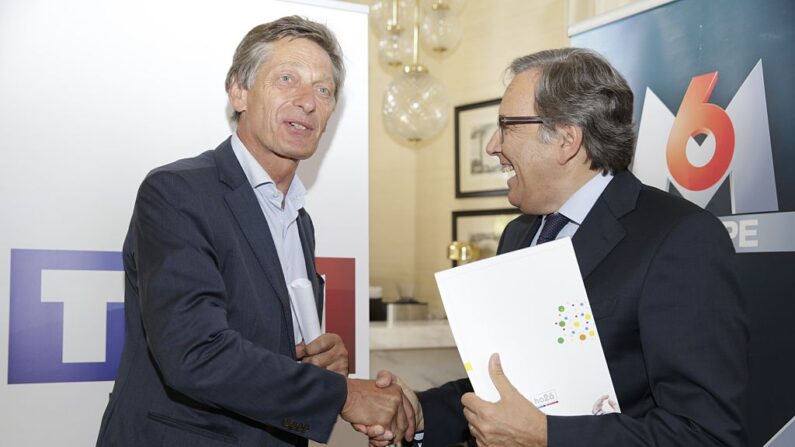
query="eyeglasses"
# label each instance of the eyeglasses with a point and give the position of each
(505, 121)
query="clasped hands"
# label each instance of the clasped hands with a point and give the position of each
(378, 404)
(511, 421)
(382, 436)
(388, 411)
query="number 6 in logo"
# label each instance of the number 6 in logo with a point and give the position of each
(696, 116)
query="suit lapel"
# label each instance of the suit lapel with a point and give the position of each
(248, 214)
(601, 230)
(519, 233)
(531, 231)
(596, 237)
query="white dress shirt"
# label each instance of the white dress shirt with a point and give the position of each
(579, 205)
(282, 222)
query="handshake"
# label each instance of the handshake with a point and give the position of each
(388, 411)
(384, 409)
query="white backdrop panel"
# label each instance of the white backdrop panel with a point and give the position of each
(93, 95)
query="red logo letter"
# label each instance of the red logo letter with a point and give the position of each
(696, 116)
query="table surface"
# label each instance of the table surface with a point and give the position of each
(411, 334)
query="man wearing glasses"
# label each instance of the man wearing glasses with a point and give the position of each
(659, 272)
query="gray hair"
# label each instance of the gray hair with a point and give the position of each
(579, 87)
(255, 49)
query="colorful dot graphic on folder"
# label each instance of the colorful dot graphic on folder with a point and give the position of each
(468, 367)
(575, 321)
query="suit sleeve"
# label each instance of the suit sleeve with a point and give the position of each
(183, 305)
(443, 413)
(693, 330)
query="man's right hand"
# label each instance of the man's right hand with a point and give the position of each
(372, 405)
(411, 407)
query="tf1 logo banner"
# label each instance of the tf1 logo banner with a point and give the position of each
(66, 317)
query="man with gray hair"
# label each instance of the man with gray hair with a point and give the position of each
(212, 347)
(659, 273)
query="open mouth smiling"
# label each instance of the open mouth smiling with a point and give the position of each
(299, 125)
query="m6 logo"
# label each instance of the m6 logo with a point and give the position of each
(737, 144)
(736, 147)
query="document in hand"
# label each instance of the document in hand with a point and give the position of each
(302, 302)
(530, 306)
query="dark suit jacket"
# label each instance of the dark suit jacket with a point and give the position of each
(209, 355)
(660, 276)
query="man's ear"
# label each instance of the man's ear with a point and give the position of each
(569, 141)
(238, 97)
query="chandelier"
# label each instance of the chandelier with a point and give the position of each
(416, 107)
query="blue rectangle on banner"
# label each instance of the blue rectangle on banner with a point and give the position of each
(47, 323)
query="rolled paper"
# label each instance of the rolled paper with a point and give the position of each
(607, 406)
(302, 299)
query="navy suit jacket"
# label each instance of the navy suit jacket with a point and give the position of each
(209, 354)
(660, 276)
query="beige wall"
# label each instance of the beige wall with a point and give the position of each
(412, 189)
(412, 192)
(393, 191)
(474, 72)
(580, 10)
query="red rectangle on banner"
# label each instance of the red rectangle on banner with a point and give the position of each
(340, 309)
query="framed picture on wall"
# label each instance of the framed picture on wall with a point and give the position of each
(476, 172)
(482, 228)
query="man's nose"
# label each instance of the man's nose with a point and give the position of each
(305, 98)
(494, 147)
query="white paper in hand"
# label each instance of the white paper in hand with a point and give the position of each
(530, 306)
(302, 301)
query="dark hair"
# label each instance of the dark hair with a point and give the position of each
(256, 46)
(578, 86)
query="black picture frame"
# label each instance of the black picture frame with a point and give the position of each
(482, 227)
(476, 173)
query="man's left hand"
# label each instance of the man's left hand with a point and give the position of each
(511, 421)
(327, 351)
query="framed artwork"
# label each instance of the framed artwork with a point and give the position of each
(476, 172)
(482, 228)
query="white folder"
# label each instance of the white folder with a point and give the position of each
(530, 306)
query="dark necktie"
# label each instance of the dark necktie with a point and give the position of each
(552, 226)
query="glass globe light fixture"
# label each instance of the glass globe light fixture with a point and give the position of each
(395, 48)
(387, 13)
(416, 106)
(454, 6)
(441, 31)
